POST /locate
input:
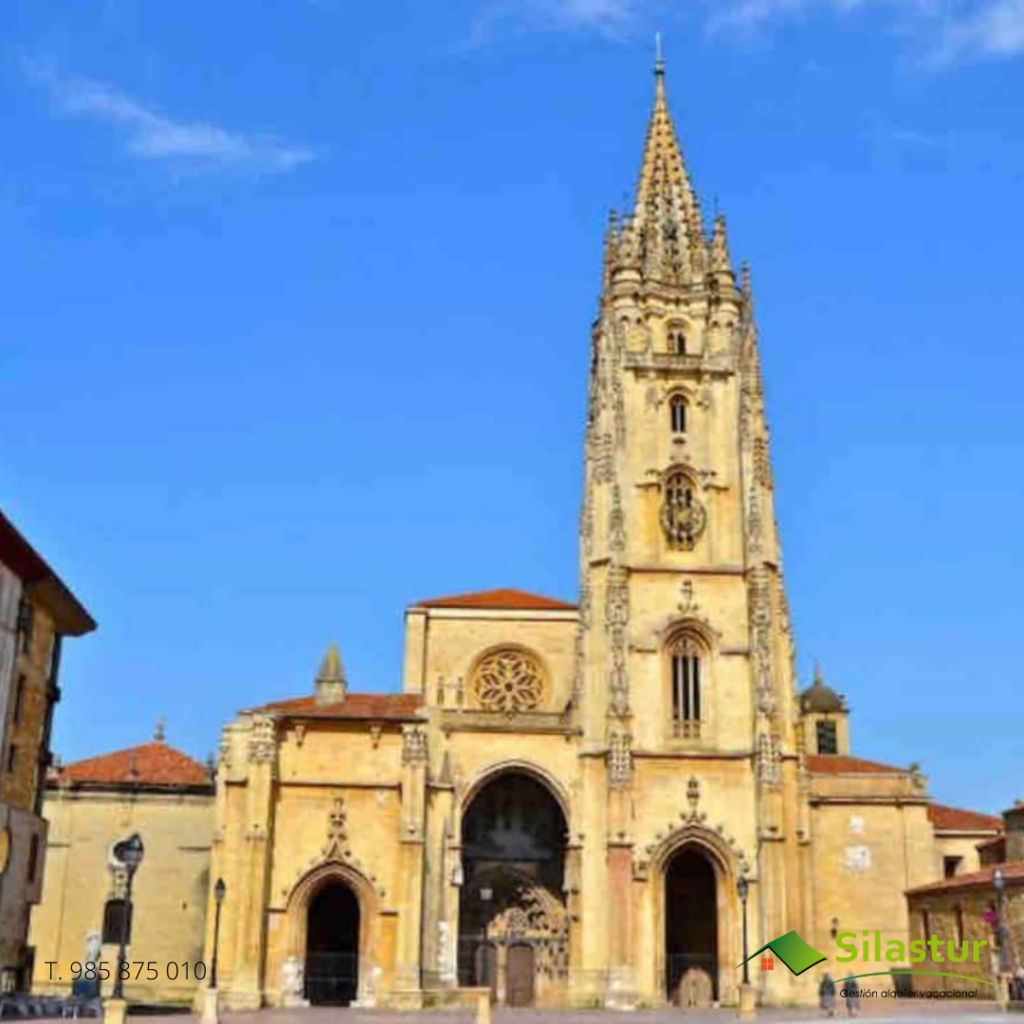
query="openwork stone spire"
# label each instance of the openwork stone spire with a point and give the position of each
(666, 232)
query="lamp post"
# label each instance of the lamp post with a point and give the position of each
(743, 888)
(748, 1001)
(999, 884)
(129, 852)
(219, 892)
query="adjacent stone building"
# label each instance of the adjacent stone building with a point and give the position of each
(166, 797)
(37, 611)
(562, 800)
(968, 906)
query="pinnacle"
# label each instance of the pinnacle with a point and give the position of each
(331, 668)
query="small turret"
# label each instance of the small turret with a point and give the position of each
(824, 711)
(331, 683)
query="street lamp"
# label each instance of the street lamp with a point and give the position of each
(999, 884)
(743, 888)
(219, 892)
(129, 852)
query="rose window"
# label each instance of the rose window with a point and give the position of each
(509, 680)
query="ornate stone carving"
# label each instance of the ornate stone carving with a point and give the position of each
(263, 740)
(762, 467)
(509, 680)
(604, 463)
(616, 620)
(769, 759)
(687, 602)
(336, 848)
(620, 758)
(616, 523)
(224, 755)
(761, 641)
(414, 744)
(683, 517)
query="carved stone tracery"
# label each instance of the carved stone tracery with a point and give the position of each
(509, 680)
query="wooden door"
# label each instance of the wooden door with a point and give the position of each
(519, 975)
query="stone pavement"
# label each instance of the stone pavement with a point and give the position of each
(876, 1011)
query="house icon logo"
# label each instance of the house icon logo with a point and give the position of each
(797, 955)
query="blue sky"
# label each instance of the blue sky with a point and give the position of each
(296, 315)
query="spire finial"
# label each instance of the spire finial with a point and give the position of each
(331, 683)
(659, 57)
(159, 731)
(819, 679)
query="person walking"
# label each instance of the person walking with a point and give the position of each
(852, 997)
(827, 995)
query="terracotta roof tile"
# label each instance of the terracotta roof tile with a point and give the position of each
(1013, 871)
(150, 764)
(504, 598)
(355, 706)
(840, 764)
(958, 820)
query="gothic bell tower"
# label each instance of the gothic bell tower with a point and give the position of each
(684, 653)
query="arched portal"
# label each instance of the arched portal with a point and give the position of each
(513, 924)
(691, 929)
(332, 946)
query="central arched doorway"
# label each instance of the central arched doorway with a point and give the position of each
(691, 929)
(513, 924)
(332, 946)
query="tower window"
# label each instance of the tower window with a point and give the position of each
(685, 661)
(33, 858)
(828, 740)
(677, 342)
(951, 866)
(683, 517)
(677, 414)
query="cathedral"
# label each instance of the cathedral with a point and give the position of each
(587, 803)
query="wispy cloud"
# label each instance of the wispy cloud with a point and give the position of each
(941, 32)
(189, 145)
(610, 18)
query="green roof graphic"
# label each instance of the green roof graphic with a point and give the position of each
(796, 954)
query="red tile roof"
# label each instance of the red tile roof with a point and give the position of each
(150, 764)
(1013, 871)
(840, 764)
(396, 706)
(994, 841)
(954, 819)
(505, 598)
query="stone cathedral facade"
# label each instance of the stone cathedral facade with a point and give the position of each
(562, 799)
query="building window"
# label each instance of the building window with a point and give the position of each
(33, 859)
(959, 923)
(12, 757)
(828, 740)
(26, 622)
(509, 680)
(683, 517)
(951, 866)
(685, 660)
(677, 414)
(677, 341)
(19, 697)
(114, 923)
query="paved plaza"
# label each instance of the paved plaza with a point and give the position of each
(875, 1010)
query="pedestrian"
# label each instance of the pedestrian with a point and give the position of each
(852, 997)
(827, 995)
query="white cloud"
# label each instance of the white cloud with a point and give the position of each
(611, 18)
(192, 145)
(941, 32)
